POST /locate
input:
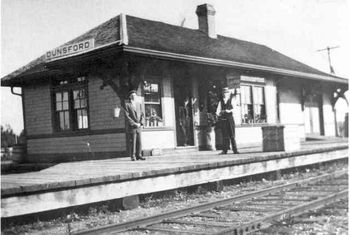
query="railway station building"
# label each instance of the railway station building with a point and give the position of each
(73, 96)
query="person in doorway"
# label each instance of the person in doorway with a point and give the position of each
(185, 120)
(134, 116)
(225, 111)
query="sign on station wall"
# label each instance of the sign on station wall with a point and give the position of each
(70, 49)
(252, 79)
(233, 80)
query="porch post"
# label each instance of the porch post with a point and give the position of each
(195, 102)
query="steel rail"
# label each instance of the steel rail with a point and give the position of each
(120, 227)
(294, 211)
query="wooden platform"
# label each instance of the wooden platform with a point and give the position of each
(77, 183)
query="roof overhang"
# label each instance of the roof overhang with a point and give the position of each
(54, 66)
(111, 48)
(228, 63)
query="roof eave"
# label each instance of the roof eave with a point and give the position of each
(228, 63)
(180, 57)
(98, 51)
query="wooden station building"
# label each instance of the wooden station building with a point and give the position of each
(73, 96)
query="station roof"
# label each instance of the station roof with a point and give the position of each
(163, 40)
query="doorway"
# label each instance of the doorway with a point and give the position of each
(313, 115)
(183, 112)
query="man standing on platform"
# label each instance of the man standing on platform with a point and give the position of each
(134, 117)
(225, 111)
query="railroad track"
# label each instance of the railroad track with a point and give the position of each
(241, 214)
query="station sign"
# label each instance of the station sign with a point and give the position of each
(252, 79)
(70, 49)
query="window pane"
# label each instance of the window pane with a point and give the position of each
(153, 115)
(59, 106)
(253, 108)
(152, 99)
(66, 120)
(151, 88)
(65, 96)
(83, 103)
(58, 97)
(246, 95)
(79, 94)
(258, 95)
(257, 111)
(85, 119)
(72, 100)
(61, 120)
(65, 105)
(76, 104)
(75, 94)
(79, 97)
(82, 118)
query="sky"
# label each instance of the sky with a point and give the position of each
(295, 28)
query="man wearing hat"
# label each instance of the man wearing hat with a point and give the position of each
(225, 113)
(134, 117)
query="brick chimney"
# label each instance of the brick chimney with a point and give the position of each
(206, 19)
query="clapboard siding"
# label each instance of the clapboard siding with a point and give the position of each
(97, 143)
(328, 113)
(168, 105)
(270, 101)
(102, 104)
(37, 101)
(290, 103)
(101, 114)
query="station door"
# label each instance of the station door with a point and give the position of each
(312, 115)
(183, 113)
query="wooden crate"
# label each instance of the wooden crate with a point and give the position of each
(280, 138)
(273, 138)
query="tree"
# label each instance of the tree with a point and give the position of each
(22, 139)
(8, 138)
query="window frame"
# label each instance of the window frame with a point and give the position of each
(157, 80)
(251, 87)
(69, 87)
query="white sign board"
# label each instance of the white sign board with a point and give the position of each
(252, 79)
(70, 49)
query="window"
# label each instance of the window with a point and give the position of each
(62, 110)
(152, 101)
(71, 104)
(80, 108)
(253, 104)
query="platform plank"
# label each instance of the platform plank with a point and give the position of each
(122, 177)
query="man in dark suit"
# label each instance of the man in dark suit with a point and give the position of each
(134, 117)
(224, 111)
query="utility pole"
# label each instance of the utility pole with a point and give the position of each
(329, 56)
(183, 22)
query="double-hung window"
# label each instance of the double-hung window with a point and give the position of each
(70, 104)
(152, 101)
(253, 104)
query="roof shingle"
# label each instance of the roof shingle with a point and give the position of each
(164, 37)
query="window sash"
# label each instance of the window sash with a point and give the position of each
(71, 106)
(253, 104)
(153, 104)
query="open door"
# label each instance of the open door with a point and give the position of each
(183, 113)
(313, 118)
